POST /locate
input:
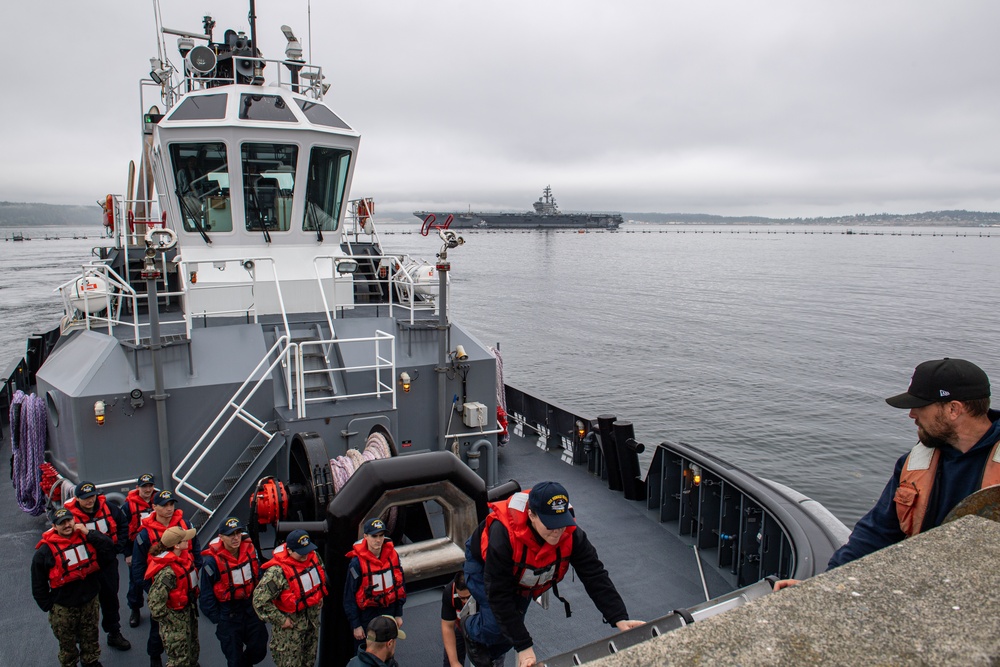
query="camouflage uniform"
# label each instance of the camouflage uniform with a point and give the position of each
(290, 647)
(76, 625)
(178, 628)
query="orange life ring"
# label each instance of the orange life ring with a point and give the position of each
(365, 210)
(109, 213)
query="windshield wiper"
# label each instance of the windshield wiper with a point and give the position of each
(193, 214)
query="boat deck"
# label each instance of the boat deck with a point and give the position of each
(655, 572)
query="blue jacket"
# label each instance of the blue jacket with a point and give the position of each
(958, 476)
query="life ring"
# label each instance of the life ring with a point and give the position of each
(109, 213)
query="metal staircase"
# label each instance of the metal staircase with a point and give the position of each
(238, 482)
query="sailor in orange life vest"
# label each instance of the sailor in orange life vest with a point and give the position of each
(290, 597)
(151, 530)
(228, 576)
(957, 454)
(64, 583)
(374, 585)
(92, 510)
(173, 595)
(138, 506)
(540, 529)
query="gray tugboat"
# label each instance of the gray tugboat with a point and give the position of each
(546, 216)
(244, 335)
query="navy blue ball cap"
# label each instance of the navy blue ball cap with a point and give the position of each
(85, 490)
(58, 515)
(374, 526)
(941, 381)
(145, 479)
(550, 501)
(164, 497)
(300, 542)
(230, 526)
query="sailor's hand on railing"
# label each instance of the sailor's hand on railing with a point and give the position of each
(628, 624)
(526, 658)
(785, 583)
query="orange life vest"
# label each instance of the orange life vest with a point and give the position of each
(916, 481)
(185, 591)
(156, 529)
(138, 510)
(76, 559)
(537, 567)
(381, 581)
(306, 580)
(238, 574)
(101, 520)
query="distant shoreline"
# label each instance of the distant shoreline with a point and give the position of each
(24, 215)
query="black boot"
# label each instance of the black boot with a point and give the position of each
(134, 619)
(116, 640)
(155, 661)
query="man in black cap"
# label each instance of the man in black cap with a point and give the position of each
(92, 509)
(949, 400)
(380, 644)
(65, 573)
(289, 597)
(374, 584)
(229, 574)
(958, 453)
(138, 506)
(539, 527)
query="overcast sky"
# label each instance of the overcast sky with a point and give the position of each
(768, 108)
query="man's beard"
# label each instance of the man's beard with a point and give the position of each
(940, 441)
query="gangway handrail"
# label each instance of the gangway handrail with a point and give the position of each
(284, 348)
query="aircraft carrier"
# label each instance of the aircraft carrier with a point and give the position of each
(546, 215)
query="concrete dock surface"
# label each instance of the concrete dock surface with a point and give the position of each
(930, 600)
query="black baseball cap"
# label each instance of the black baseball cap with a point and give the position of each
(85, 490)
(58, 515)
(943, 380)
(374, 526)
(164, 497)
(299, 542)
(230, 526)
(383, 628)
(145, 479)
(550, 501)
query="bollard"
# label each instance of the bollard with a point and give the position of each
(611, 461)
(628, 460)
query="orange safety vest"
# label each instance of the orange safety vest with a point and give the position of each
(537, 567)
(138, 510)
(238, 574)
(101, 521)
(156, 529)
(185, 591)
(76, 559)
(916, 481)
(381, 582)
(306, 580)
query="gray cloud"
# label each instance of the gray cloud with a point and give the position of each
(777, 108)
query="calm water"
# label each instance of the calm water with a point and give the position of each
(772, 350)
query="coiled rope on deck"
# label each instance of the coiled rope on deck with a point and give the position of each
(502, 438)
(27, 441)
(376, 447)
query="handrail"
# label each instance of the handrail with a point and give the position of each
(284, 348)
(381, 363)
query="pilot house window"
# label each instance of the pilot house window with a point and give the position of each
(268, 185)
(325, 189)
(201, 185)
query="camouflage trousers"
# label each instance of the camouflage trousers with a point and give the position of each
(296, 646)
(179, 632)
(76, 630)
